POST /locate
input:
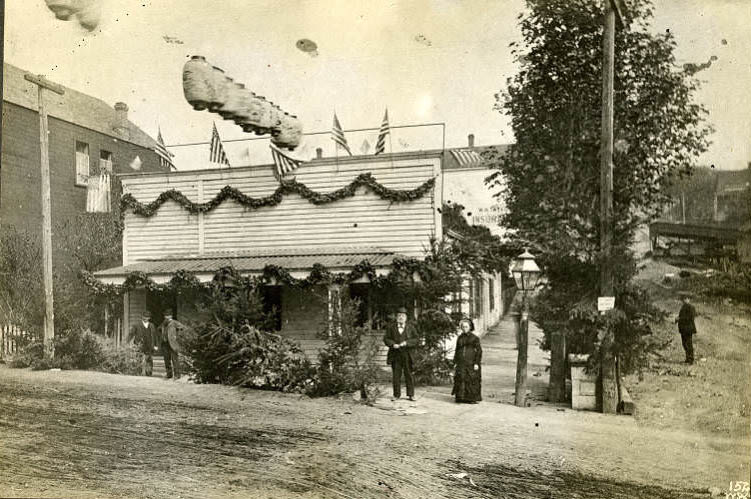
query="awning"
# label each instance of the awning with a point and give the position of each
(298, 262)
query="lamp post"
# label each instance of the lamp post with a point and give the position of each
(526, 274)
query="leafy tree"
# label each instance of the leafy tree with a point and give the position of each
(550, 177)
(21, 291)
(89, 241)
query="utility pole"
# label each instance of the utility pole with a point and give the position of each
(608, 371)
(49, 314)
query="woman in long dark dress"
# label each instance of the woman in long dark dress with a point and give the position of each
(468, 359)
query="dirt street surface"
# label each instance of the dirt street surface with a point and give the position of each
(85, 434)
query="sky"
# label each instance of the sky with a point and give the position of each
(427, 61)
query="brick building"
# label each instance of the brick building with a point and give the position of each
(85, 134)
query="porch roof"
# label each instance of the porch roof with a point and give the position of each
(298, 262)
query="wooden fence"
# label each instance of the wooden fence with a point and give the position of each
(12, 339)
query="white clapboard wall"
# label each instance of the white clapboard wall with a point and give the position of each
(364, 220)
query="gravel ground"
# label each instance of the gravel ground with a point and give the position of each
(86, 434)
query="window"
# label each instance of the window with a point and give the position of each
(477, 312)
(105, 161)
(272, 305)
(491, 293)
(82, 163)
(360, 294)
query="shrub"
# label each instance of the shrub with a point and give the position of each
(347, 362)
(125, 359)
(431, 363)
(78, 349)
(630, 323)
(233, 348)
(27, 355)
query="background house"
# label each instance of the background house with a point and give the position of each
(706, 214)
(85, 135)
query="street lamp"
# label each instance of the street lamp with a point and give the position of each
(525, 271)
(526, 274)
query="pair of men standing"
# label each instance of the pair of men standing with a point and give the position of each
(148, 339)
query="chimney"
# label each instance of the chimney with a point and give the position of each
(471, 140)
(319, 153)
(120, 126)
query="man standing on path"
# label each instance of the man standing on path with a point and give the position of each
(143, 334)
(687, 327)
(169, 359)
(401, 337)
(172, 331)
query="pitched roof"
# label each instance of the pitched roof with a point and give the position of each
(254, 262)
(73, 106)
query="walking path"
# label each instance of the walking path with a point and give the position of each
(499, 356)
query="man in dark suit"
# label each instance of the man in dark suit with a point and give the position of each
(401, 338)
(143, 334)
(687, 327)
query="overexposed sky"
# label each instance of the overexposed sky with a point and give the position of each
(426, 60)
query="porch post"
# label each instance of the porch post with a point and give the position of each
(335, 308)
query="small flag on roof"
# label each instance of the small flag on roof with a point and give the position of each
(467, 158)
(216, 149)
(165, 157)
(337, 135)
(381, 144)
(283, 164)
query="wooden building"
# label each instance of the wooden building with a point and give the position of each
(294, 234)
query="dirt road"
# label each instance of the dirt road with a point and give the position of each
(85, 434)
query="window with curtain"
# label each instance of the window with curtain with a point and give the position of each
(478, 298)
(105, 161)
(82, 163)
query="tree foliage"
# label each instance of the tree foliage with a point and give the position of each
(550, 177)
(87, 242)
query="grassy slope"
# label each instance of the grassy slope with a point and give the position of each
(712, 397)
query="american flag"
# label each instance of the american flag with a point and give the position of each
(337, 135)
(283, 164)
(216, 149)
(381, 144)
(165, 157)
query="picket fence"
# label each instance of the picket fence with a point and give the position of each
(12, 339)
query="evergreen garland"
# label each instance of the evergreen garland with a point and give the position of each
(128, 201)
(402, 268)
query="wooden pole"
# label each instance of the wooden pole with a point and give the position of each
(520, 395)
(609, 383)
(49, 314)
(683, 206)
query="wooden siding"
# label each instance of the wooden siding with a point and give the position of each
(363, 220)
(303, 317)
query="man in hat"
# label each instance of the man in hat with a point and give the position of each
(143, 334)
(172, 344)
(401, 338)
(164, 345)
(687, 327)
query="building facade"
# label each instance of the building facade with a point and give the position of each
(86, 136)
(291, 233)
